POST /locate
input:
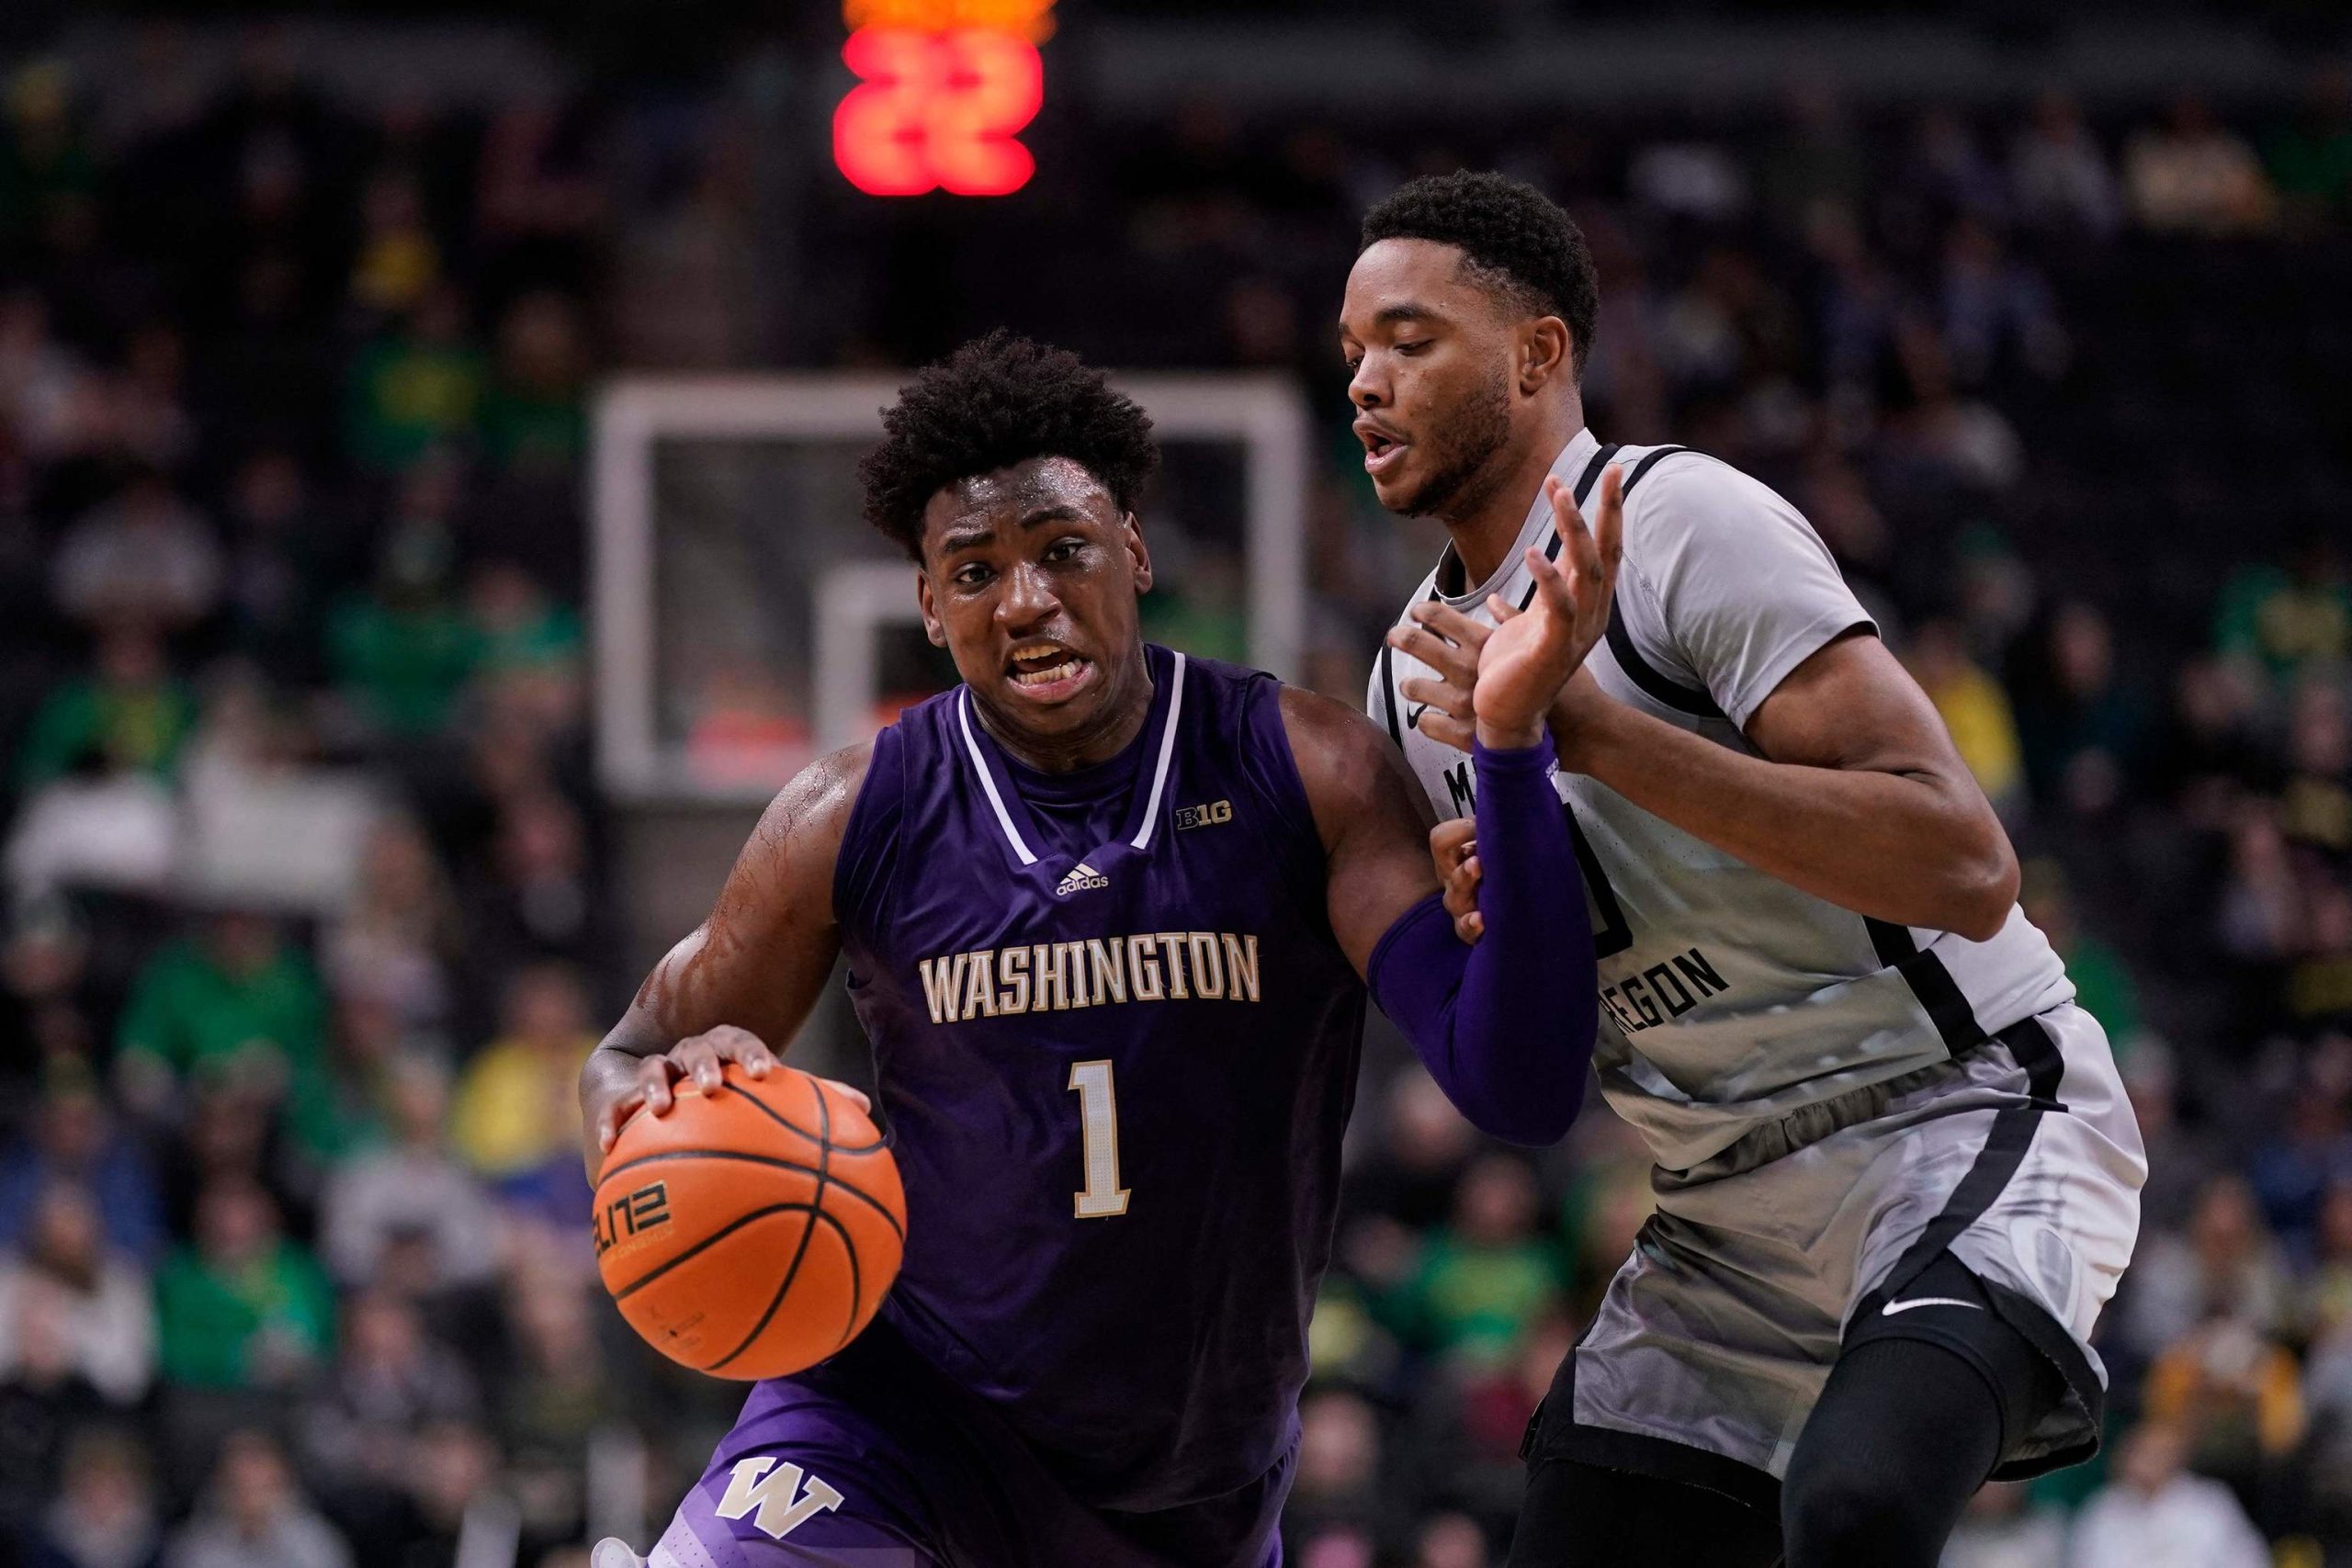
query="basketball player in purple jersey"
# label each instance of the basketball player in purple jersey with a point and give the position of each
(1110, 914)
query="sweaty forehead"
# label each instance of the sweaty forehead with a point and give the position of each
(1003, 496)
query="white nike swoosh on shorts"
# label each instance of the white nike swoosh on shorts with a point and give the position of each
(1891, 1308)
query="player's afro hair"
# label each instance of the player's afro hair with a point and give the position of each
(1519, 243)
(996, 402)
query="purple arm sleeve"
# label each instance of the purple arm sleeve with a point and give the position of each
(1506, 1026)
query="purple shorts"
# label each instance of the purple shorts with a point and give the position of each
(876, 1461)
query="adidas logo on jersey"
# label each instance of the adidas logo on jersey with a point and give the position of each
(1079, 880)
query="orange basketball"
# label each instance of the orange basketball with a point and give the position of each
(751, 1232)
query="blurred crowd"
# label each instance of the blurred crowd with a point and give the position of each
(311, 912)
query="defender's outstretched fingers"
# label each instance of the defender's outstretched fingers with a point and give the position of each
(1445, 696)
(1563, 597)
(1609, 526)
(1446, 729)
(1451, 622)
(1450, 659)
(1591, 554)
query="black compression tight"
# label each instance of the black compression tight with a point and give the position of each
(1582, 1516)
(1904, 1433)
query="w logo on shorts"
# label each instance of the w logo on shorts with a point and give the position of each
(785, 1495)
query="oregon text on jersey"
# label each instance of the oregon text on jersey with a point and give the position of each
(1663, 992)
(1647, 996)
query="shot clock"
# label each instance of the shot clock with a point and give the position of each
(944, 88)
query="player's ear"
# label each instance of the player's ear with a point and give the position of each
(1138, 553)
(1544, 352)
(933, 627)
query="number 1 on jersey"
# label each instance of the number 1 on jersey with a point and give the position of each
(1098, 1111)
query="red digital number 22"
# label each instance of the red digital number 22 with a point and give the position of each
(937, 110)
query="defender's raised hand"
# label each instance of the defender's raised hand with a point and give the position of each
(1527, 658)
(1455, 645)
(1446, 640)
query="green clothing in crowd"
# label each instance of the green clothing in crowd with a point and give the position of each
(2267, 615)
(530, 433)
(1472, 1298)
(137, 728)
(407, 665)
(196, 1018)
(213, 1326)
(406, 395)
(189, 1012)
(551, 638)
(2104, 987)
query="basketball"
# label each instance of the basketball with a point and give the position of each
(752, 1233)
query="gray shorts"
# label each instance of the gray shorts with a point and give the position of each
(2020, 1159)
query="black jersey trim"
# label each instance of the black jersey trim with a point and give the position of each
(1646, 464)
(2029, 1040)
(1398, 722)
(1655, 684)
(1593, 471)
(2004, 1150)
(1388, 686)
(1939, 994)
(1585, 481)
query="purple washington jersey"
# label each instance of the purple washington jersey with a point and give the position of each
(1117, 1042)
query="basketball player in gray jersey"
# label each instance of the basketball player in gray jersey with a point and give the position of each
(1896, 1176)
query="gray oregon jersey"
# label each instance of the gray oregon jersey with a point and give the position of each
(1729, 998)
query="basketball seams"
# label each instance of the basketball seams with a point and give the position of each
(850, 1188)
(706, 1243)
(857, 1275)
(781, 1120)
(817, 1201)
(771, 1336)
(791, 1273)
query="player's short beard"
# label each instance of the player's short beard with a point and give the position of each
(1464, 447)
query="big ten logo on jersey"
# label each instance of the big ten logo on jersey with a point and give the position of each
(1214, 814)
(631, 1212)
(779, 1497)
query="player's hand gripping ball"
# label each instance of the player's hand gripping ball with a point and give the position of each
(751, 1232)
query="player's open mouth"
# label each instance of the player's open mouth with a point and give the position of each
(1047, 670)
(1382, 451)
